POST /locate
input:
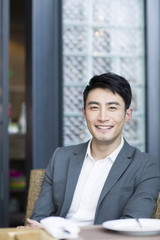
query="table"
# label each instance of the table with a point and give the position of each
(24, 234)
(86, 233)
(100, 233)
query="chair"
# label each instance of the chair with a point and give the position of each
(35, 183)
(156, 213)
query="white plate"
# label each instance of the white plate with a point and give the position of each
(130, 226)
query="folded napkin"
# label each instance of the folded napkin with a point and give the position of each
(60, 228)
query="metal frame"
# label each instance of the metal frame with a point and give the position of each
(43, 80)
(153, 76)
(4, 163)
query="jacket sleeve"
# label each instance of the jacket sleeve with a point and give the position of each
(142, 202)
(44, 205)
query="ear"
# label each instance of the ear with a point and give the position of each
(128, 114)
(84, 112)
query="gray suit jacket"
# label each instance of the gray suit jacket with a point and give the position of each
(130, 189)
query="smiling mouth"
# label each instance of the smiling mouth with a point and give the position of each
(104, 127)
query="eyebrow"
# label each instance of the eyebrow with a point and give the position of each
(93, 102)
(108, 103)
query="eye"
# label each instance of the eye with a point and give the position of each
(112, 108)
(94, 108)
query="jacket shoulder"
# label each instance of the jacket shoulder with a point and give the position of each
(135, 153)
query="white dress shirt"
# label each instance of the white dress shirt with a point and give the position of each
(90, 183)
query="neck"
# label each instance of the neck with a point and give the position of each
(101, 151)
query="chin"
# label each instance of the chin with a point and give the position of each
(103, 141)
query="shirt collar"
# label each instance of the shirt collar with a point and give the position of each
(112, 156)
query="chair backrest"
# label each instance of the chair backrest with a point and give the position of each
(35, 183)
(156, 213)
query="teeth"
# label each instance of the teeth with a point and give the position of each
(102, 127)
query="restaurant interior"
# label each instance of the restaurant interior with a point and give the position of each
(49, 49)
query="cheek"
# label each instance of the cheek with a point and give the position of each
(91, 116)
(120, 118)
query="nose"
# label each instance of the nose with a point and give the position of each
(103, 115)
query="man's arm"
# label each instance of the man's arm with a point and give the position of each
(142, 202)
(44, 205)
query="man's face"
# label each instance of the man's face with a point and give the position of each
(105, 116)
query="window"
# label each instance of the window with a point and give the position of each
(102, 36)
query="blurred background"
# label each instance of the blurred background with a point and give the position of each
(49, 49)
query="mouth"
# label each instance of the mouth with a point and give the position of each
(103, 127)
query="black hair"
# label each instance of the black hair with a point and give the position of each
(112, 81)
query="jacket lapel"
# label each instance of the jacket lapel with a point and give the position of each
(122, 162)
(74, 169)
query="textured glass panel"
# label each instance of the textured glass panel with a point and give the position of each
(138, 101)
(101, 41)
(72, 99)
(75, 129)
(133, 129)
(132, 69)
(74, 11)
(128, 13)
(74, 38)
(102, 36)
(102, 12)
(130, 42)
(101, 65)
(74, 69)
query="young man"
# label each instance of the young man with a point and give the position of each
(105, 178)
